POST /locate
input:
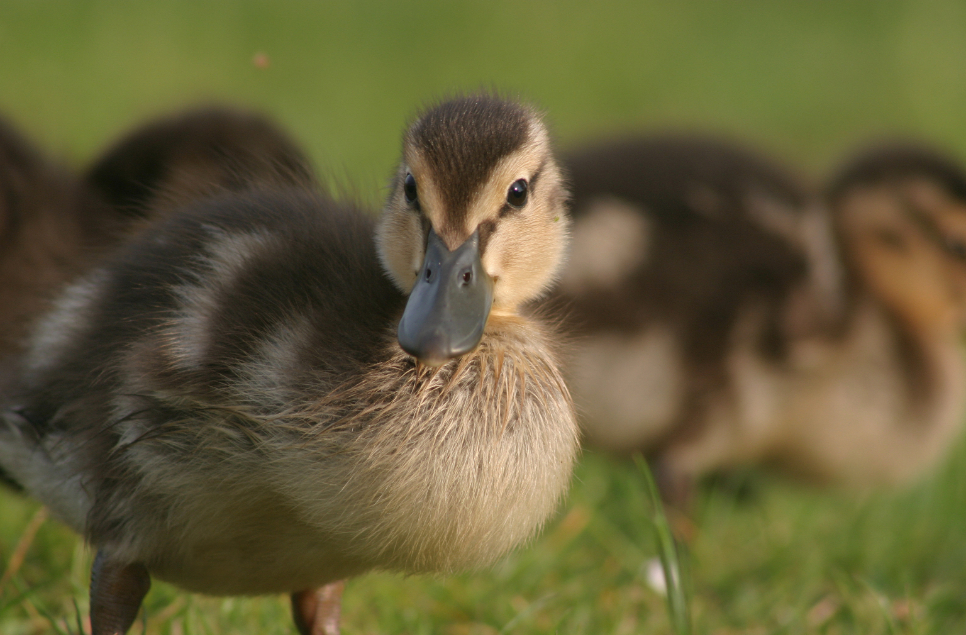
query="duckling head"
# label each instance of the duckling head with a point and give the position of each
(902, 213)
(475, 224)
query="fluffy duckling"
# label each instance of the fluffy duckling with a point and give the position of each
(724, 315)
(244, 402)
(46, 233)
(900, 216)
(181, 158)
(53, 226)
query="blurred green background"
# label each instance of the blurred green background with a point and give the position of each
(805, 80)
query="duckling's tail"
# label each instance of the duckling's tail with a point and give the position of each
(10, 444)
(42, 465)
(8, 481)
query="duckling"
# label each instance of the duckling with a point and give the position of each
(180, 158)
(54, 226)
(675, 240)
(724, 313)
(900, 216)
(268, 392)
(48, 233)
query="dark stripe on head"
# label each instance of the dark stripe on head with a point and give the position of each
(486, 230)
(463, 139)
(900, 161)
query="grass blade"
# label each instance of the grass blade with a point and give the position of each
(677, 599)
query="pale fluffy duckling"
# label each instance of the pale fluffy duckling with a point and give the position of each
(899, 211)
(225, 405)
(717, 322)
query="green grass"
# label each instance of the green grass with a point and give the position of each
(767, 556)
(807, 80)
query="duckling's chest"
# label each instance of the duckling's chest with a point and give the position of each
(403, 471)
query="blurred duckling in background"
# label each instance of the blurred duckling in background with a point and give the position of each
(900, 215)
(256, 397)
(187, 156)
(48, 233)
(54, 226)
(724, 315)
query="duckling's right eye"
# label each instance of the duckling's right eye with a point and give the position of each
(409, 189)
(517, 194)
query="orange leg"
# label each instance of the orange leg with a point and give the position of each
(317, 611)
(116, 594)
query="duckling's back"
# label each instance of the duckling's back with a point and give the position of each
(228, 306)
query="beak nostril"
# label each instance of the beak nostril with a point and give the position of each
(448, 308)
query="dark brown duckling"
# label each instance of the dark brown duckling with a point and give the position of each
(47, 233)
(54, 226)
(225, 405)
(725, 314)
(184, 157)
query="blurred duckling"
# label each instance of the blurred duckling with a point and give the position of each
(900, 215)
(258, 397)
(45, 233)
(180, 158)
(724, 315)
(55, 226)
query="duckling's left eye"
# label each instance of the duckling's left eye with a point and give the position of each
(409, 189)
(517, 194)
(956, 248)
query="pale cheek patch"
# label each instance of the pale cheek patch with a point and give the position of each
(399, 241)
(523, 256)
(527, 248)
(608, 243)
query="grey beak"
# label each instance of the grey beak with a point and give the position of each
(448, 308)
